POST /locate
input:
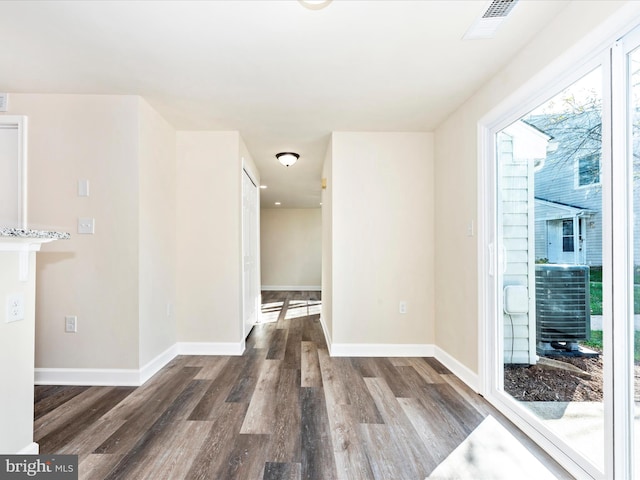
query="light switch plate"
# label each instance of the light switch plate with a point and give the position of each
(86, 225)
(83, 188)
(4, 102)
(71, 324)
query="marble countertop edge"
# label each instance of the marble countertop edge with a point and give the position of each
(14, 233)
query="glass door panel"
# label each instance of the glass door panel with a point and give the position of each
(634, 283)
(550, 246)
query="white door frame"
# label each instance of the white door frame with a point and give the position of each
(555, 236)
(256, 247)
(622, 180)
(20, 123)
(491, 268)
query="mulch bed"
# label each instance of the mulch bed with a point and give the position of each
(538, 383)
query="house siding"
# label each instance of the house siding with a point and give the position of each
(516, 198)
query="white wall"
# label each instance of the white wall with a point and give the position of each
(16, 358)
(456, 171)
(95, 277)
(168, 230)
(119, 280)
(291, 248)
(209, 272)
(157, 238)
(383, 238)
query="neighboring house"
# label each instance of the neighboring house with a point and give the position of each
(568, 193)
(568, 189)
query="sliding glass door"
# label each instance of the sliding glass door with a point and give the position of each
(550, 239)
(629, 337)
(563, 266)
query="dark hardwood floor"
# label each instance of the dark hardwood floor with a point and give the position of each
(283, 410)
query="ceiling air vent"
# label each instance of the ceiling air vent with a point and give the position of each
(487, 25)
(499, 8)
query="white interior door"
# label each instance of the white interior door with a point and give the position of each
(250, 242)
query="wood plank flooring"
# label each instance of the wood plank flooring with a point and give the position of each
(284, 410)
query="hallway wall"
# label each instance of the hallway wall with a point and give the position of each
(382, 242)
(291, 248)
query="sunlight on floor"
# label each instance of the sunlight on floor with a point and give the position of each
(303, 308)
(490, 452)
(271, 312)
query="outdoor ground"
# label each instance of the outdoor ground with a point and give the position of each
(538, 383)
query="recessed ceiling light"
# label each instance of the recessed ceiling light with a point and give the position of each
(263, 186)
(278, 203)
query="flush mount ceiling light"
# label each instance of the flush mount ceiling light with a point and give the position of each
(287, 158)
(314, 4)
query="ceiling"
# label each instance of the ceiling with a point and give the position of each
(283, 75)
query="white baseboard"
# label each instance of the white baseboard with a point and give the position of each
(461, 371)
(469, 377)
(381, 350)
(88, 376)
(295, 288)
(155, 365)
(210, 348)
(32, 449)
(132, 377)
(129, 377)
(327, 337)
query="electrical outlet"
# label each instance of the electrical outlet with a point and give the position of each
(15, 307)
(71, 324)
